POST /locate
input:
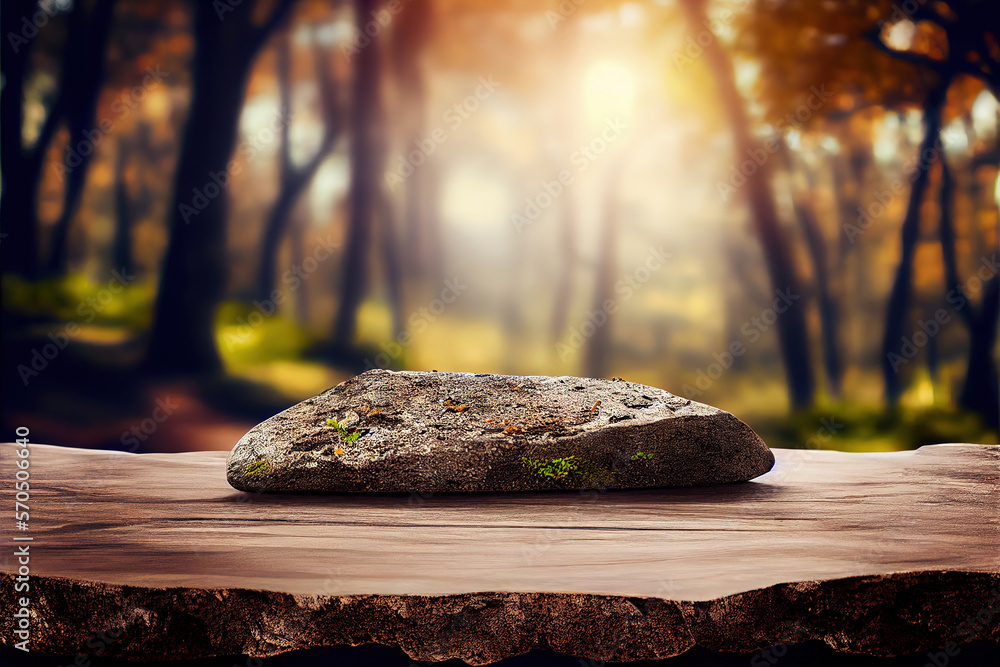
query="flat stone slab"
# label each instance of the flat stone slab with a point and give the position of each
(157, 557)
(385, 431)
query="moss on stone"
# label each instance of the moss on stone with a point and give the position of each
(256, 468)
(572, 471)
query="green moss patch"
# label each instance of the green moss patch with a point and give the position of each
(572, 471)
(256, 468)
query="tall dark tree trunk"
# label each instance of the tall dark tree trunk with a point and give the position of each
(183, 336)
(898, 306)
(568, 51)
(294, 180)
(81, 81)
(981, 389)
(568, 258)
(393, 264)
(122, 246)
(597, 349)
(793, 334)
(298, 255)
(826, 303)
(410, 37)
(367, 158)
(20, 166)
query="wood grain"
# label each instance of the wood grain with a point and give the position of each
(104, 522)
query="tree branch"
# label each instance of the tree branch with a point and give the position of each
(270, 24)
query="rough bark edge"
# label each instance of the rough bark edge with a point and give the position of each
(880, 615)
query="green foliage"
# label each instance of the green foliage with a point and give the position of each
(74, 298)
(256, 468)
(246, 337)
(572, 470)
(347, 435)
(641, 456)
(853, 427)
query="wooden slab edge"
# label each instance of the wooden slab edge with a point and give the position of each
(883, 615)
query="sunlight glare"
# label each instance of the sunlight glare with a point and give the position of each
(609, 91)
(954, 138)
(899, 36)
(329, 185)
(472, 197)
(984, 115)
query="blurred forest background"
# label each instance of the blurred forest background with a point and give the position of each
(786, 208)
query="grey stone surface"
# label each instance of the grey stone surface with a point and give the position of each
(433, 432)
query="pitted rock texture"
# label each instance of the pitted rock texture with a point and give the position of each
(437, 432)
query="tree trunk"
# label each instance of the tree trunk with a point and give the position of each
(597, 352)
(393, 264)
(564, 280)
(298, 232)
(122, 246)
(410, 36)
(20, 168)
(981, 389)
(827, 305)
(899, 298)
(183, 336)
(82, 79)
(295, 180)
(793, 334)
(367, 159)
